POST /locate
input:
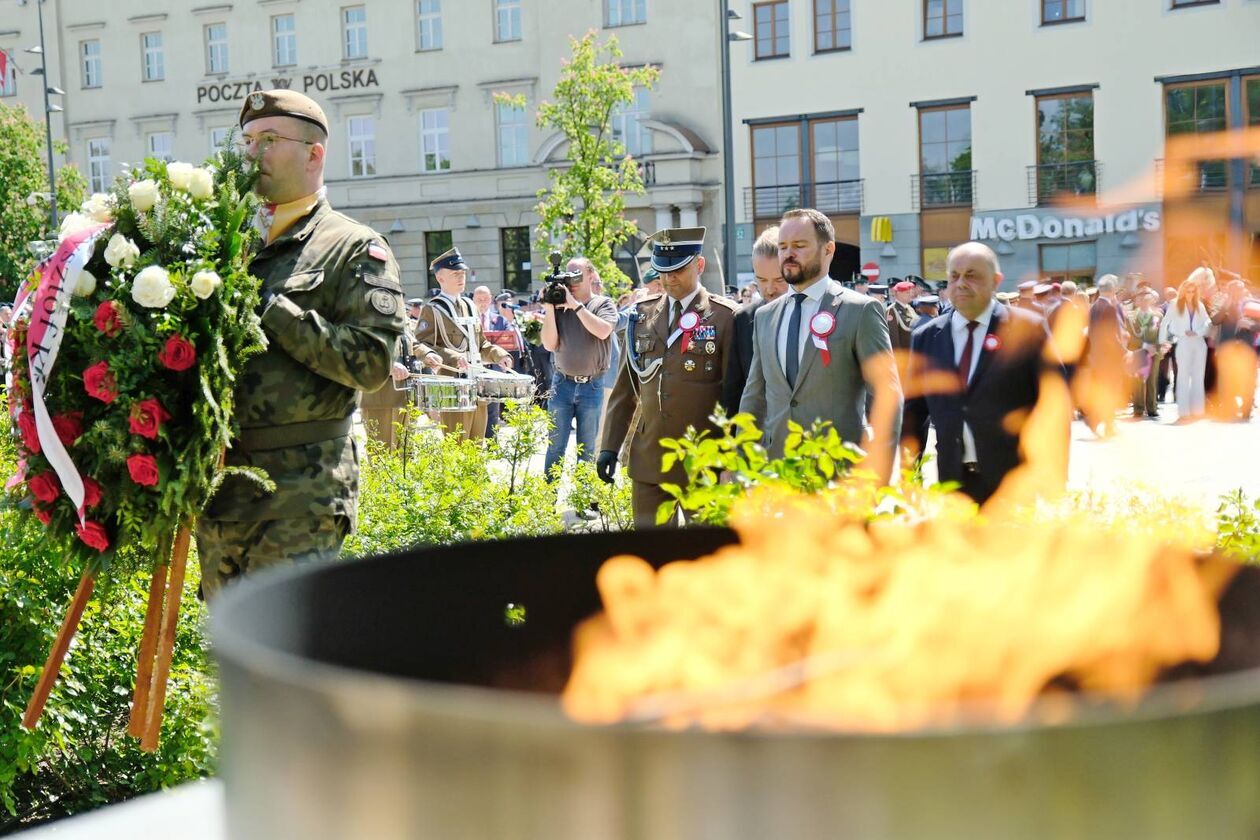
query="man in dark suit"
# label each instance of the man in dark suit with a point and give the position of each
(819, 349)
(772, 286)
(975, 373)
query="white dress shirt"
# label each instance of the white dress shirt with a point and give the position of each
(958, 329)
(809, 308)
(673, 314)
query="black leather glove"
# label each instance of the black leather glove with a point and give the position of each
(606, 465)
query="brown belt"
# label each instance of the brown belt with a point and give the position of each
(291, 434)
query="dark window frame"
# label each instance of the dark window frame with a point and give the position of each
(932, 109)
(515, 278)
(835, 30)
(433, 240)
(1077, 274)
(945, 16)
(1065, 19)
(1224, 84)
(1177, 5)
(774, 31)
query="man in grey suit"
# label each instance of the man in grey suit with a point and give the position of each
(819, 348)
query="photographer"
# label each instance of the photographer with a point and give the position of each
(579, 333)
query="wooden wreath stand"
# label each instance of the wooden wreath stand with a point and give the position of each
(157, 644)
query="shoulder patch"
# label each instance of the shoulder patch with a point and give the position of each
(376, 273)
(377, 252)
(383, 301)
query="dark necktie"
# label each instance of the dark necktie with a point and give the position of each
(964, 363)
(674, 306)
(794, 339)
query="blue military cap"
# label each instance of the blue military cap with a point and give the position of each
(673, 248)
(452, 259)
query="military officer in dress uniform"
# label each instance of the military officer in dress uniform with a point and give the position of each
(332, 310)
(450, 328)
(677, 347)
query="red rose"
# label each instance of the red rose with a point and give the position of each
(17, 338)
(30, 435)
(99, 382)
(43, 515)
(69, 427)
(178, 354)
(91, 493)
(107, 319)
(147, 416)
(143, 470)
(45, 487)
(93, 534)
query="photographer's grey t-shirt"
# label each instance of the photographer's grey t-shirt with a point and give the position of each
(578, 353)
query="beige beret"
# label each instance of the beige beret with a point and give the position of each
(283, 103)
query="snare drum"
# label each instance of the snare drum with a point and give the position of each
(444, 393)
(500, 385)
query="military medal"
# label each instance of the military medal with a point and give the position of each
(687, 325)
(992, 343)
(820, 326)
(689, 365)
(710, 347)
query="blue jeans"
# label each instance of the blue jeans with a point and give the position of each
(569, 400)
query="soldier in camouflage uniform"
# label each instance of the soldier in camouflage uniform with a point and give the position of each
(333, 312)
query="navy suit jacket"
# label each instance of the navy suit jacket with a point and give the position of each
(1006, 384)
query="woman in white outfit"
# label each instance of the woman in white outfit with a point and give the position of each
(1187, 325)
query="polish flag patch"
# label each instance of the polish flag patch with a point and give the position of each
(377, 252)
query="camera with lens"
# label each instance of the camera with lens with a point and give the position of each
(556, 290)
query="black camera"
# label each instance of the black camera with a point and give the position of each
(556, 290)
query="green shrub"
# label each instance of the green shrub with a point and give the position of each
(1238, 526)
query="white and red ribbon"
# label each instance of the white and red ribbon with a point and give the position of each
(686, 326)
(822, 325)
(46, 304)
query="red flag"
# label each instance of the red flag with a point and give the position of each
(4, 69)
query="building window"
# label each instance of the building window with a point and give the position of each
(1075, 261)
(1062, 11)
(1251, 99)
(945, 156)
(1186, 4)
(283, 41)
(161, 145)
(1065, 146)
(833, 25)
(1200, 109)
(428, 24)
(90, 53)
(98, 164)
(354, 32)
(507, 20)
(362, 135)
(836, 186)
(770, 28)
(942, 18)
(435, 140)
(776, 170)
(8, 81)
(516, 258)
(626, 12)
(436, 243)
(218, 137)
(513, 136)
(154, 65)
(627, 123)
(216, 48)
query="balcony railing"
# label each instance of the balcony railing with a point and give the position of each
(1063, 180)
(831, 197)
(1204, 176)
(943, 189)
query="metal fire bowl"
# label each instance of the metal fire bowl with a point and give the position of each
(389, 698)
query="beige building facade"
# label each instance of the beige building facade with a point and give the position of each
(419, 149)
(1040, 126)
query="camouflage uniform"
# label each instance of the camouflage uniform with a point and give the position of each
(333, 316)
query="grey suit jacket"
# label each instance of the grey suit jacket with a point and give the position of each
(836, 391)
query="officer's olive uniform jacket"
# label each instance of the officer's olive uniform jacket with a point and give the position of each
(332, 329)
(677, 397)
(437, 332)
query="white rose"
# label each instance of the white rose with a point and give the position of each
(72, 224)
(86, 284)
(201, 183)
(152, 288)
(180, 174)
(143, 194)
(121, 251)
(100, 207)
(204, 283)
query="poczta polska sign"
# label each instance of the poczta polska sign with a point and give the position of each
(321, 82)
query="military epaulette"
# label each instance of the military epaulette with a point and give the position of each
(722, 300)
(653, 298)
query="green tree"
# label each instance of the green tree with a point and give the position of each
(583, 210)
(23, 178)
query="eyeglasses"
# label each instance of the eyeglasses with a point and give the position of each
(264, 140)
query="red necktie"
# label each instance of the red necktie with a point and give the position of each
(964, 363)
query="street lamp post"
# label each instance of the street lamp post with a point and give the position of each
(728, 141)
(49, 109)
